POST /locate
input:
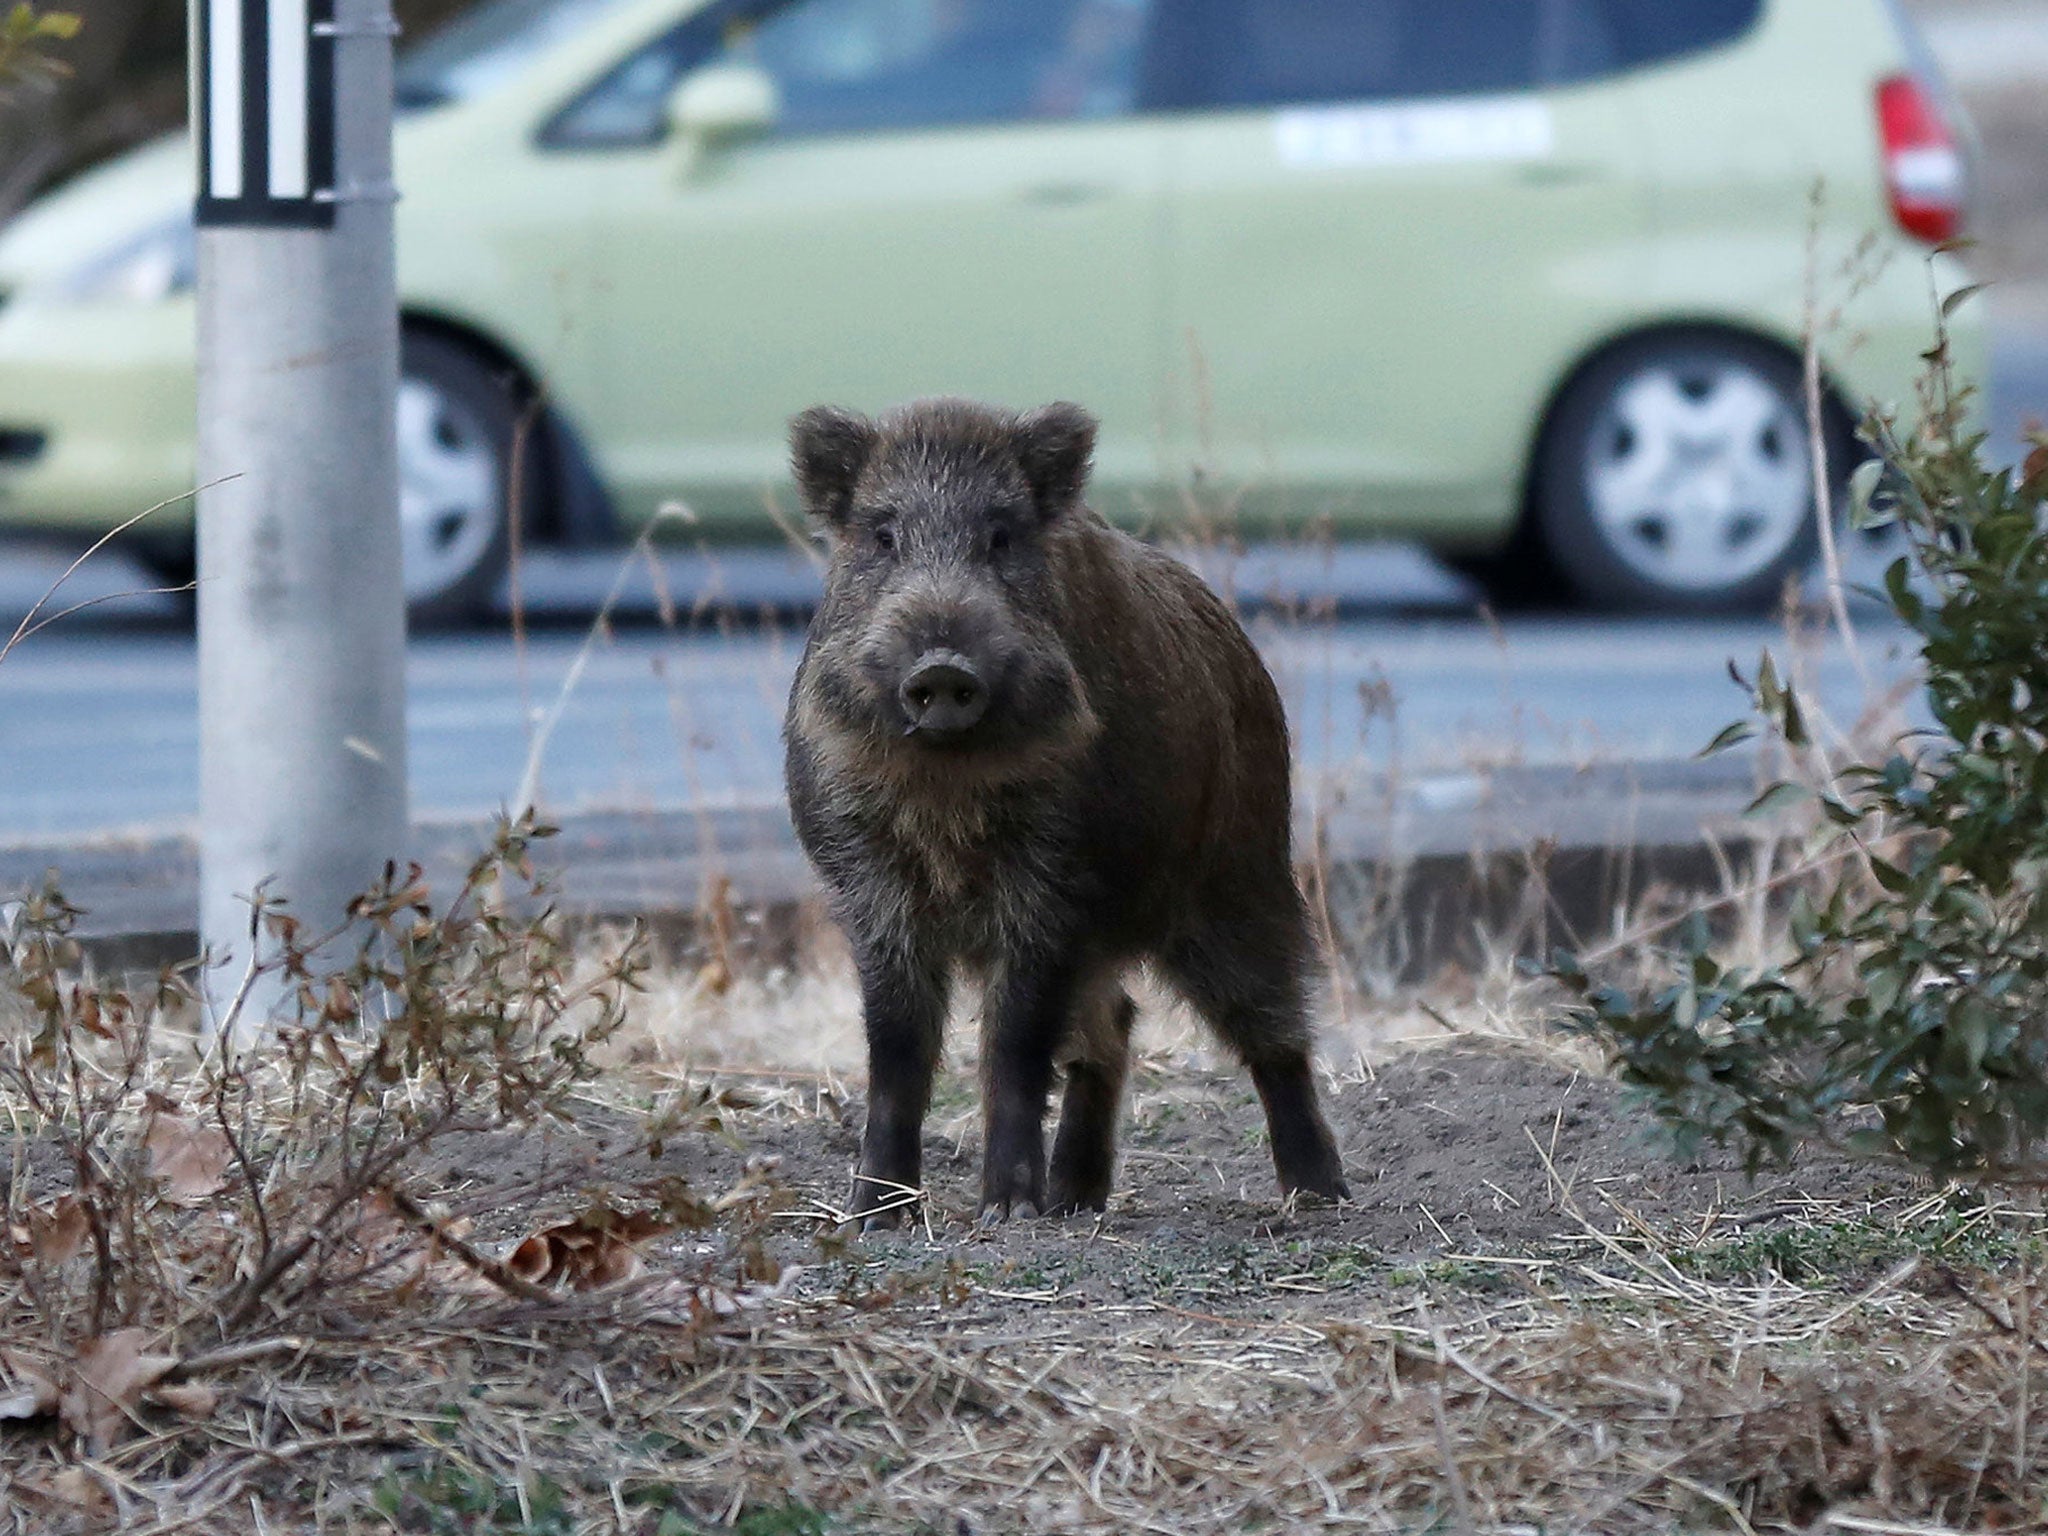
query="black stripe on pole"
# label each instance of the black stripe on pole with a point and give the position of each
(255, 99)
(320, 102)
(254, 204)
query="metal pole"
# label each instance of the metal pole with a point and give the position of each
(301, 605)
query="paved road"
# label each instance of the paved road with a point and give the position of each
(98, 730)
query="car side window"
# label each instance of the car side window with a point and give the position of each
(850, 66)
(1651, 31)
(1256, 53)
(853, 65)
(628, 104)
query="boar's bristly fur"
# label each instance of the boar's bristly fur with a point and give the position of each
(1025, 745)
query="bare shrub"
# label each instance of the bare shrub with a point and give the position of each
(179, 1207)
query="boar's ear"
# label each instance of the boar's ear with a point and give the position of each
(1054, 444)
(827, 449)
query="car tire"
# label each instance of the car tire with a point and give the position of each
(458, 422)
(1675, 476)
(173, 564)
(1517, 578)
(458, 430)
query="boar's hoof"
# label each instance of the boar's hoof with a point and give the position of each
(1064, 1208)
(1322, 1183)
(1076, 1195)
(880, 1205)
(1016, 1190)
(996, 1212)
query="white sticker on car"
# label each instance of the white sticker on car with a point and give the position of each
(1421, 134)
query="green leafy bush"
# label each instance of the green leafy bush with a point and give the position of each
(23, 32)
(1909, 1016)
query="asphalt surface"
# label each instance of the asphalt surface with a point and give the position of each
(98, 712)
(98, 725)
(1428, 735)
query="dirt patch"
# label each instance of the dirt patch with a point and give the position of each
(1468, 1153)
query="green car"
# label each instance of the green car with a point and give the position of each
(1522, 279)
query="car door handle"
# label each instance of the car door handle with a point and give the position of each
(1064, 194)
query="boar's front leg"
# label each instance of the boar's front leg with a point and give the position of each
(903, 1003)
(1028, 1003)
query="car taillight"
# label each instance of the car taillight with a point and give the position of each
(1923, 167)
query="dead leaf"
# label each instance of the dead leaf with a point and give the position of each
(684, 1301)
(190, 1400)
(598, 1248)
(756, 1267)
(34, 1398)
(78, 1488)
(28, 1403)
(192, 1159)
(107, 1382)
(85, 1008)
(747, 1298)
(404, 1253)
(59, 1233)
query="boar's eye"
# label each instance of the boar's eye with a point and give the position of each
(998, 541)
(885, 537)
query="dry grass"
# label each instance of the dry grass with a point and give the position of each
(1607, 1392)
(700, 1348)
(1637, 1370)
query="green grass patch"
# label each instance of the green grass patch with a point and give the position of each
(1849, 1249)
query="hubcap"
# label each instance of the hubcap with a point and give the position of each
(1698, 474)
(448, 492)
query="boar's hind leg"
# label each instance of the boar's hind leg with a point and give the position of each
(1029, 1003)
(1098, 1057)
(1255, 1002)
(1304, 1152)
(904, 1007)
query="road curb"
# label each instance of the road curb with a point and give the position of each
(1411, 874)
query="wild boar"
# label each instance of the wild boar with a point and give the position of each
(1026, 746)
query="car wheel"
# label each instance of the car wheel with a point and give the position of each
(173, 564)
(457, 423)
(1677, 475)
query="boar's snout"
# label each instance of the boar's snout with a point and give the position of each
(942, 695)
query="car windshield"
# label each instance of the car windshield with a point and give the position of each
(486, 45)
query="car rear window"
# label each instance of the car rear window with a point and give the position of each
(1253, 53)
